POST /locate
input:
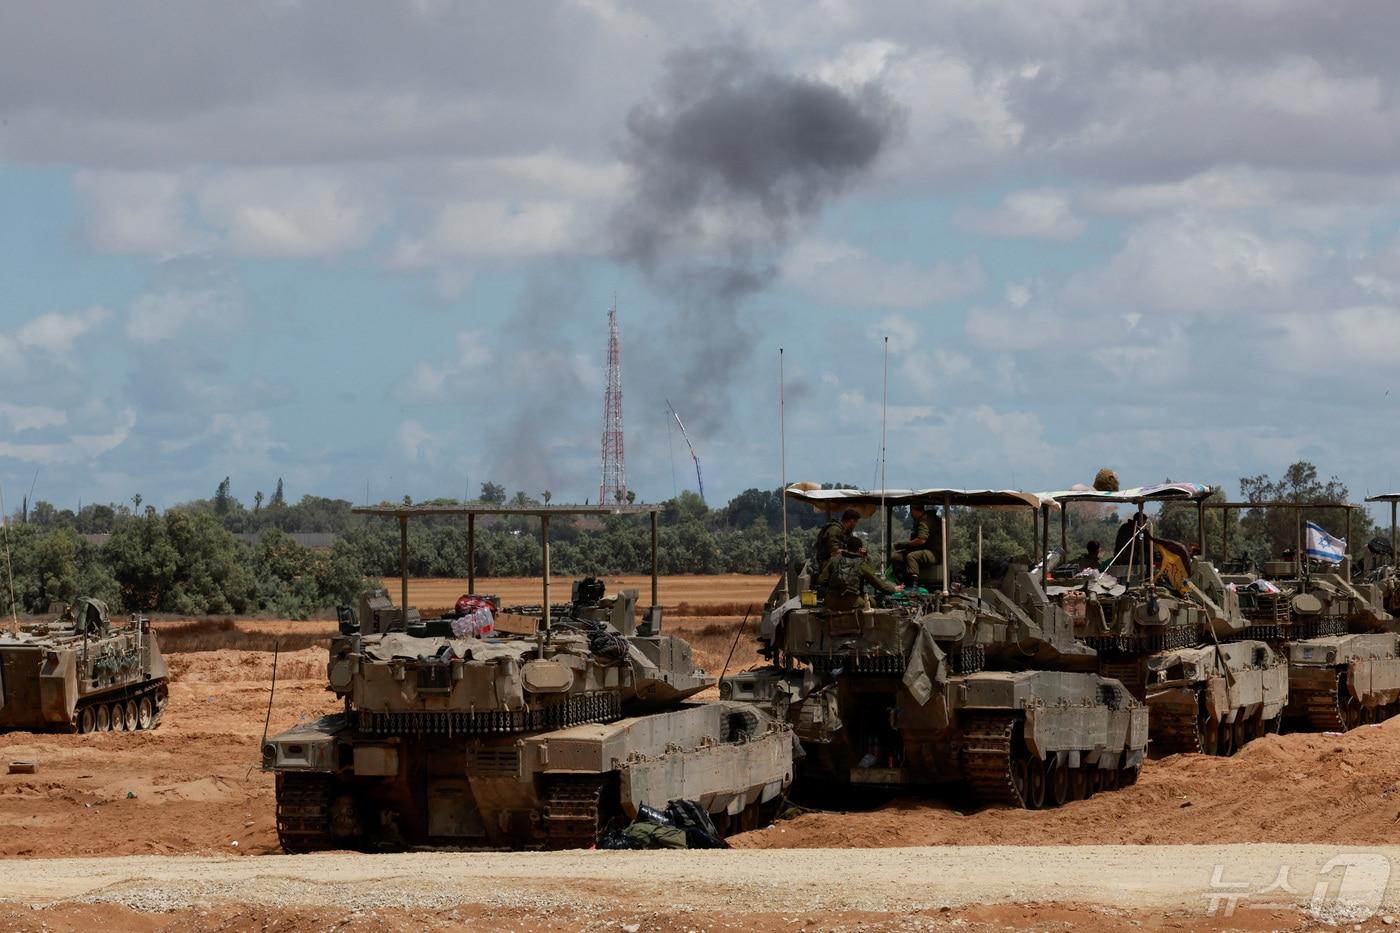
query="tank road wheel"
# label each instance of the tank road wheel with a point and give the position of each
(118, 717)
(132, 721)
(1021, 778)
(1210, 734)
(1035, 784)
(144, 716)
(87, 720)
(1057, 781)
(1079, 786)
(1225, 745)
(1241, 733)
(104, 718)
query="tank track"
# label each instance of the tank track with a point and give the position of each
(156, 691)
(1176, 731)
(987, 758)
(1323, 708)
(304, 811)
(573, 811)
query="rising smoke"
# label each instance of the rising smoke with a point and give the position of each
(731, 158)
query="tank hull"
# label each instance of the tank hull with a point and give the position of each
(1339, 682)
(1214, 699)
(340, 788)
(1023, 739)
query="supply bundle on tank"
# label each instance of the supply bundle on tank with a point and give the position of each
(81, 673)
(455, 735)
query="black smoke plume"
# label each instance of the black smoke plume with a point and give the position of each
(729, 159)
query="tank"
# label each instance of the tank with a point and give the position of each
(979, 687)
(1165, 625)
(81, 673)
(454, 739)
(1342, 647)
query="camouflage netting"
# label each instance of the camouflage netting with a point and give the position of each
(1106, 480)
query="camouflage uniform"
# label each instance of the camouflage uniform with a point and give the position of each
(830, 540)
(916, 557)
(856, 570)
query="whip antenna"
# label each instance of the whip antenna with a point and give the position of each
(782, 471)
(9, 560)
(884, 404)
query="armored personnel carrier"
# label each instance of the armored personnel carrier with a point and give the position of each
(979, 685)
(1167, 627)
(452, 739)
(1342, 646)
(81, 674)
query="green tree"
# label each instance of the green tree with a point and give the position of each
(493, 493)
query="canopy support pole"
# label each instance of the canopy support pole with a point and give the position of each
(403, 568)
(544, 567)
(1346, 555)
(1044, 544)
(943, 526)
(655, 566)
(471, 553)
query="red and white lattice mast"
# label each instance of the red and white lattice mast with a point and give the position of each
(613, 488)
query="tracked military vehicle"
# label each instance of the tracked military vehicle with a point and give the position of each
(452, 739)
(1166, 626)
(1342, 646)
(81, 673)
(979, 685)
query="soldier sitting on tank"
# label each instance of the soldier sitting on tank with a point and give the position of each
(843, 578)
(1090, 559)
(917, 554)
(832, 537)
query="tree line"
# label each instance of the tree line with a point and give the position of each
(187, 559)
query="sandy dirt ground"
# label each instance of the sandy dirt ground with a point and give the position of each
(1104, 887)
(192, 788)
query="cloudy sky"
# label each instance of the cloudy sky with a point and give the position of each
(373, 245)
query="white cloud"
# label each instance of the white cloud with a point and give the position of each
(1041, 214)
(135, 212)
(305, 212)
(55, 332)
(75, 448)
(491, 229)
(416, 440)
(1189, 263)
(31, 417)
(843, 274)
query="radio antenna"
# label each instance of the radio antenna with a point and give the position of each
(9, 560)
(884, 405)
(782, 470)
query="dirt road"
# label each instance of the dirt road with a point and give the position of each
(583, 887)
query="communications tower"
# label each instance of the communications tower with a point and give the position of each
(613, 487)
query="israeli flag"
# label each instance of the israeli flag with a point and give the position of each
(1322, 546)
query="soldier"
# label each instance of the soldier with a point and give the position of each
(1090, 557)
(918, 552)
(844, 575)
(832, 537)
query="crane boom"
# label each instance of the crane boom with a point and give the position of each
(699, 481)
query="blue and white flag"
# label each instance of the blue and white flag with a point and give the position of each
(1322, 546)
